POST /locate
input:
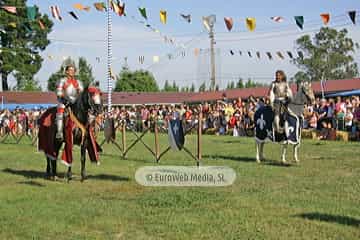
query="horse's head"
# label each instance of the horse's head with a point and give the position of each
(306, 89)
(94, 100)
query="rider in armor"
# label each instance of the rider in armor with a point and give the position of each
(67, 91)
(280, 96)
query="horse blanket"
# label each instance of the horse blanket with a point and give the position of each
(264, 130)
(47, 131)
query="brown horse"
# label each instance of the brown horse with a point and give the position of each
(88, 103)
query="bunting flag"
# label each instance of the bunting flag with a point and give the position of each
(299, 21)
(98, 59)
(231, 52)
(280, 55)
(31, 13)
(55, 11)
(73, 15)
(141, 59)
(352, 15)
(249, 53)
(277, 19)
(143, 12)
(163, 16)
(114, 6)
(300, 54)
(156, 59)
(9, 9)
(258, 54)
(183, 53)
(121, 6)
(112, 75)
(229, 23)
(196, 52)
(100, 6)
(325, 17)
(41, 24)
(251, 24)
(269, 55)
(170, 56)
(186, 17)
(290, 54)
(240, 53)
(79, 6)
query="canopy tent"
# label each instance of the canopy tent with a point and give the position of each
(28, 106)
(345, 93)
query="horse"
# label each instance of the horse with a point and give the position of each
(264, 118)
(87, 104)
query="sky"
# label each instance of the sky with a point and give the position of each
(87, 37)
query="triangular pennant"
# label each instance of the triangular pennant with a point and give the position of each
(289, 54)
(141, 59)
(231, 52)
(196, 52)
(352, 15)
(100, 6)
(280, 55)
(121, 6)
(277, 19)
(251, 24)
(73, 15)
(114, 6)
(249, 53)
(269, 55)
(325, 17)
(31, 13)
(143, 12)
(55, 11)
(299, 21)
(240, 53)
(229, 23)
(163, 16)
(186, 17)
(258, 54)
(10, 9)
(78, 6)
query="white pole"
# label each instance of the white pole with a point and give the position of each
(109, 55)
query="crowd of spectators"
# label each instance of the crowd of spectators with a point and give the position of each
(221, 117)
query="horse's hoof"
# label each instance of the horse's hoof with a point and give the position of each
(258, 161)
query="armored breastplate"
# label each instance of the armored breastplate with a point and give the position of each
(280, 89)
(70, 92)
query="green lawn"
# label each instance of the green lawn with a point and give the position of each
(318, 199)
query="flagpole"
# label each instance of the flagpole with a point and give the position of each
(109, 55)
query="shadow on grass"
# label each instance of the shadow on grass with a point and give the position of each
(331, 218)
(108, 177)
(277, 164)
(32, 183)
(233, 158)
(25, 173)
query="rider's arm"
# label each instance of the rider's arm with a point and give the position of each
(60, 88)
(271, 94)
(289, 93)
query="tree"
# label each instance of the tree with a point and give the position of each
(175, 88)
(249, 83)
(192, 88)
(137, 81)
(202, 87)
(85, 72)
(240, 83)
(327, 56)
(167, 87)
(21, 41)
(26, 82)
(231, 85)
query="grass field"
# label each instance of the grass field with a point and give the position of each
(318, 199)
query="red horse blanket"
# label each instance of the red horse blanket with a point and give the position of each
(47, 133)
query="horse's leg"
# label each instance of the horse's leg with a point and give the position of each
(83, 157)
(283, 152)
(68, 174)
(296, 146)
(48, 168)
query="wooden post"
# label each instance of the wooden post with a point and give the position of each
(199, 137)
(123, 138)
(156, 132)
